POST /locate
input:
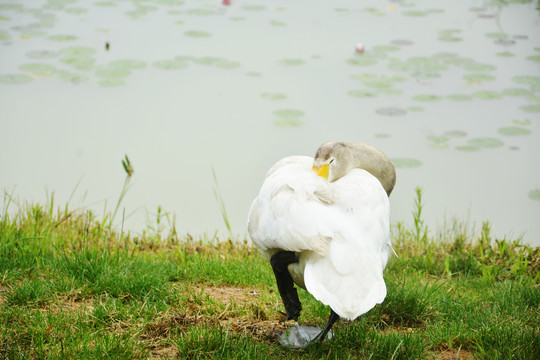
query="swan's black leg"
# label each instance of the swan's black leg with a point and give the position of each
(280, 262)
(331, 320)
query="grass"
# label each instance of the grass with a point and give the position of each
(73, 287)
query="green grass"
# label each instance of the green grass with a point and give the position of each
(73, 287)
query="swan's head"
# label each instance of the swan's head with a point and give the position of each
(335, 159)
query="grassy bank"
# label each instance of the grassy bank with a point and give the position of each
(71, 287)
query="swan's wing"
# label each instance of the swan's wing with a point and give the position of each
(285, 215)
(350, 278)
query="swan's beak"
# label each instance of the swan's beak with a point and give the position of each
(322, 170)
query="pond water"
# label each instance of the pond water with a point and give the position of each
(449, 90)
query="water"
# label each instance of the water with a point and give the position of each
(235, 88)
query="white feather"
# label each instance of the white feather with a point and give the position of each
(339, 230)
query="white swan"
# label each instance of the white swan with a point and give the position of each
(323, 223)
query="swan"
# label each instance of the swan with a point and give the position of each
(323, 224)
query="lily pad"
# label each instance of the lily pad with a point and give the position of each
(170, 64)
(477, 78)
(479, 67)
(15, 79)
(455, 134)
(468, 148)
(415, 108)
(39, 69)
(71, 77)
(273, 96)
(391, 111)
(127, 64)
(83, 63)
(63, 38)
(506, 54)
(527, 80)
(382, 136)
(4, 35)
(289, 113)
(292, 62)
(41, 54)
(486, 95)
(516, 92)
(534, 194)
(426, 97)
(522, 122)
(485, 143)
(288, 122)
(362, 93)
(197, 34)
(535, 58)
(531, 108)
(406, 162)
(277, 23)
(112, 72)
(513, 131)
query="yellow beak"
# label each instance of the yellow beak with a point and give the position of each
(322, 170)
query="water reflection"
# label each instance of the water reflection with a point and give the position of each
(450, 92)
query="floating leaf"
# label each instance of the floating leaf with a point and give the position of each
(468, 148)
(531, 108)
(522, 122)
(197, 33)
(485, 142)
(4, 35)
(82, 63)
(382, 136)
(486, 95)
(112, 72)
(361, 93)
(513, 131)
(41, 54)
(63, 38)
(426, 97)
(476, 78)
(288, 122)
(527, 79)
(288, 113)
(406, 162)
(15, 79)
(415, 108)
(507, 54)
(534, 194)
(277, 23)
(516, 92)
(127, 64)
(292, 62)
(170, 64)
(479, 67)
(535, 58)
(40, 69)
(455, 133)
(67, 76)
